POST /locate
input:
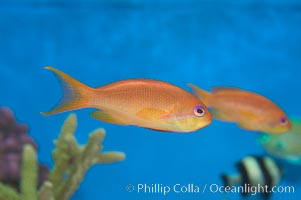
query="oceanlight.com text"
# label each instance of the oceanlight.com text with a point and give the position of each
(164, 189)
(251, 189)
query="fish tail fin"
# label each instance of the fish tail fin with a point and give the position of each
(74, 96)
(200, 93)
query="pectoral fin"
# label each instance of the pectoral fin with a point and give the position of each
(106, 117)
(249, 115)
(247, 118)
(152, 114)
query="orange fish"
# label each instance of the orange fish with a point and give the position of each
(146, 103)
(249, 110)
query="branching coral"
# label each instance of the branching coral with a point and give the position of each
(71, 163)
(13, 136)
(72, 160)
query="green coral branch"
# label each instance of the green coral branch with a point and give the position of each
(109, 157)
(45, 192)
(72, 161)
(29, 175)
(61, 156)
(82, 158)
(8, 193)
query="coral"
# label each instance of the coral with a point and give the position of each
(72, 160)
(13, 137)
(71, 163)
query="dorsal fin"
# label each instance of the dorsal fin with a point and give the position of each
(225, 89)
(200, 93)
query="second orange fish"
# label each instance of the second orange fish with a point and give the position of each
(249, 110)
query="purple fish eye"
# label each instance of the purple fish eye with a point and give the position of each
(199, 111)
(283, 120)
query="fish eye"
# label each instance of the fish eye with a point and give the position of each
(199, 111)
(283, 120)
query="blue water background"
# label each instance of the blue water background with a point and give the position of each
(254, 45)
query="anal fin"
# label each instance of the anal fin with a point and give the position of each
(106, 117)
